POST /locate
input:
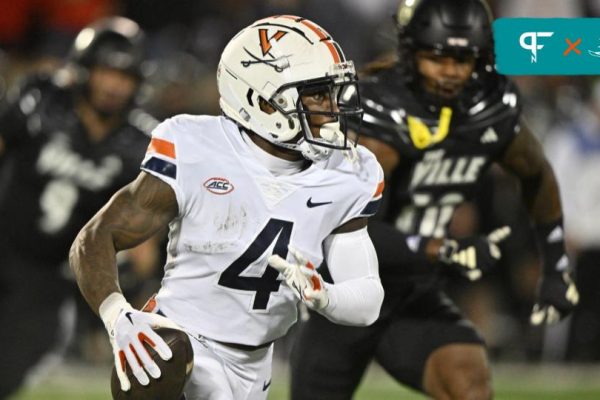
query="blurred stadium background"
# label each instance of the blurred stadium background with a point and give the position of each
(186, 37)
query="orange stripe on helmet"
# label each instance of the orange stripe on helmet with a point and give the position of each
(163, 147)
(294, 17)
(316, 29)
(322, 35)
(333, 51)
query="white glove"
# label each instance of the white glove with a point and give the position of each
(302, 277)
(129, 330)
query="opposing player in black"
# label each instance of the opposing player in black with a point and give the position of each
(437, 118)
(67, 142)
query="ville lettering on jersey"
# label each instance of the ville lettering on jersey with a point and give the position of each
(443, 153)
(435, 169)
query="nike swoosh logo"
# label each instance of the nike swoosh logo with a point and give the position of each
(266, 385)
(310, 204)
(128, 316)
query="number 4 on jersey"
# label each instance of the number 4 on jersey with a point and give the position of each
(263, 286)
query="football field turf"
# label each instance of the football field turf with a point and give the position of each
(512, 382)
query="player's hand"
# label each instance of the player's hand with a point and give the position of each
(557, 297)
(473, 255)
(129, 331)
(302, 277)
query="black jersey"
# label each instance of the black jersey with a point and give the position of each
(444, 151)
(53, 178)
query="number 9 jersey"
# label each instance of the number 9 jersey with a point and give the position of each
(233, 214)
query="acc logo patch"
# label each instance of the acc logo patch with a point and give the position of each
(218, 186)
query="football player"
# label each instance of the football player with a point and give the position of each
(437, 118)
(67, 144)
(254, 199)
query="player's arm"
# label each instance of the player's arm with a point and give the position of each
(134, 214)
(469, 257)
(357, 294)
(525, 158)
(398, 252)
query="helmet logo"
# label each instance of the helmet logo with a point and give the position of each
(279, 63)
(458, 41)
(265, 40)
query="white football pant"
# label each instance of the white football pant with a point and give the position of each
(224, 373)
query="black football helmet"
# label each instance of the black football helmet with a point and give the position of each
(450, 28)
(116, 42)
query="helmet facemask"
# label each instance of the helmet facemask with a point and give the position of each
(337, 92)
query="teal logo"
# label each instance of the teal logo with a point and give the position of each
(547, 46)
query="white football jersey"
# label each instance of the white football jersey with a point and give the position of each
(233, 214)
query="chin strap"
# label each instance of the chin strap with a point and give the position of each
(312, 152)
(331, 133)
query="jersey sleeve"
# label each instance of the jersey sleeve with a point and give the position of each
(161, 159)
(511, 125)
(368, 191)
(500, 111)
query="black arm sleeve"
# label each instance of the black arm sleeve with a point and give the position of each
(396, 251)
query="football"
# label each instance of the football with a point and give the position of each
(174, 373)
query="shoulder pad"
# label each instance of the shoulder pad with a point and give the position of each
(192, 135)
(385, 99)
(501, 102)
(367, 177)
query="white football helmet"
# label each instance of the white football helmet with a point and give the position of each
(277, 60)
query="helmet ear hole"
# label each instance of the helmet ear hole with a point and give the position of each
(265, 106)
